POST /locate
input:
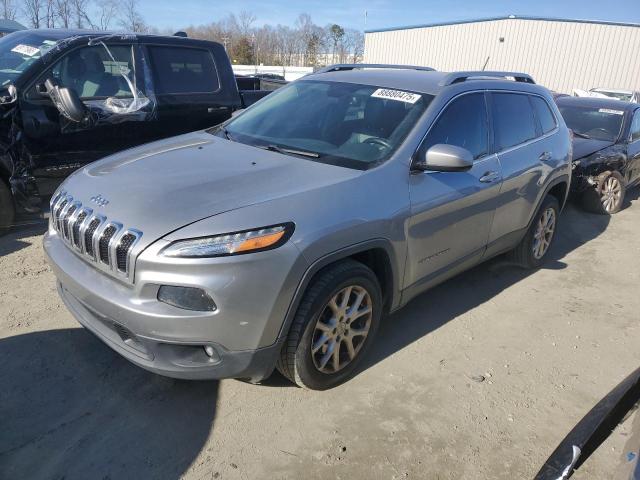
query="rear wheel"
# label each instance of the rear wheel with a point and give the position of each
(535, 245)
(607, 196)
(7, 208)
(334, 327)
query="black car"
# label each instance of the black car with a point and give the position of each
(70, 97)
(606, 150)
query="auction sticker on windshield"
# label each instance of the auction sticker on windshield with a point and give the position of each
(398, 95)
(612, 112)
(26, 50)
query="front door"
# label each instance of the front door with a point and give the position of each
(633, 149)
(56, 146)
(452, 212)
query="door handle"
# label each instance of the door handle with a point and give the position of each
(490, 177)
(545, 157)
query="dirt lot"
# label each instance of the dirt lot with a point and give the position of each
(548, 344)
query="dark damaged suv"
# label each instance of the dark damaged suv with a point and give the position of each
(69, 97)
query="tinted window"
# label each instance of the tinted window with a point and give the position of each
(635, 127)
(463, 124)
(183, 70)
(546, 118)
(512, 119)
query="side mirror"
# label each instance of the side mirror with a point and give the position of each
(8, 95)
(445, 158)
(66, 101)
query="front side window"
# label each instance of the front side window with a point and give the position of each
(545, 117)
(635, 126)
(513, 120)
(97, 71)
(183, 70)
(593, 122)
(346, 124)
(463, 124)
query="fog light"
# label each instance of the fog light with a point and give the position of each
(188, 298)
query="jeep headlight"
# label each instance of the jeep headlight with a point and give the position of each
(248, 241)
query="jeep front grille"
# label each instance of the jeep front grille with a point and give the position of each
(103, 242)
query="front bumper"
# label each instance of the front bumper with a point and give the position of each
(244, 332)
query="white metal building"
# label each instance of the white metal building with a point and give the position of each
(560, 54)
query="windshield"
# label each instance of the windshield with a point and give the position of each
(18, 51)
(346, 124)
(596, 123)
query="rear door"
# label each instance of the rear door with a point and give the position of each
(452, 212)
(523, 128)
(190, 90)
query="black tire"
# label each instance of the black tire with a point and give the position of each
(297, 362)
(523, 254)
(7, 208)
(595, 200)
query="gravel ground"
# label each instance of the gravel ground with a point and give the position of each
(479, 378)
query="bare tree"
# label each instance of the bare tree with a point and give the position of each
(50, 13)
(64, 13)
(33, 10)
(130, 18)
(81, 13)
(246, 20)
(106, 11)
(8, 9)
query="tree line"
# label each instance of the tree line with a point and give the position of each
(303, 44)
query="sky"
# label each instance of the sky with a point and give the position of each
(380, 13)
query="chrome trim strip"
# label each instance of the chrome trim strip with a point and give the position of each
(127, 273)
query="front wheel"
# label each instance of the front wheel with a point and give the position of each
(534, 247)
(608, 195)
(334, 327)
(7, 208)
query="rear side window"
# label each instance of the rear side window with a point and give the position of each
(546, 118)
(513, 120)
(183, 70)
(464, 124)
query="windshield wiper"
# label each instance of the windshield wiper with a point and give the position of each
(226, 133)
(292, 151)
(581, 135)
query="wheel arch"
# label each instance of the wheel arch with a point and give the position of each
(377, 254)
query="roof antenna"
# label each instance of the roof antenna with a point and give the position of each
(485, 64)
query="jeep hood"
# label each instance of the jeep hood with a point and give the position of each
(583, 147)
(162, 186)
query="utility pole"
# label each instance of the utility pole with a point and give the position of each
(225, 40)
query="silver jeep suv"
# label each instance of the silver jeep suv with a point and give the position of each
(282, 237)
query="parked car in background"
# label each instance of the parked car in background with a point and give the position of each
(284, 235)
(606, 150)
(624, 95)
(71, 97)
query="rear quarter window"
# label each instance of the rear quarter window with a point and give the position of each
(183, 70)
(513, 119)
(545, 116)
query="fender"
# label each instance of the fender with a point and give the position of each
(315, 267)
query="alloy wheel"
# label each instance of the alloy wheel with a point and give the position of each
(544, 233)
(341, 329)
(611, 194)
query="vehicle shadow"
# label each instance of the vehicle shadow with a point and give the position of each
(71, 408)
(434, 308)
(13, 240)
(631, 196)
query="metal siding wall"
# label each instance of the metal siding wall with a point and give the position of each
(559, 55)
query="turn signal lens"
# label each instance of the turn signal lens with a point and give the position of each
(230, 244)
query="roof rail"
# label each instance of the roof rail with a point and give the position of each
(352, 66)
(458, 77)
